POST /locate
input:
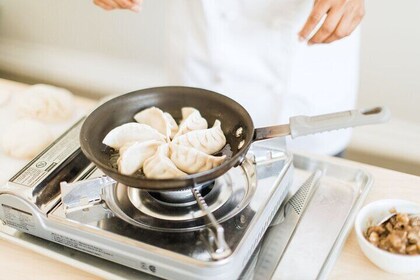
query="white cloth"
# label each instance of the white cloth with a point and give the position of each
(249, 51)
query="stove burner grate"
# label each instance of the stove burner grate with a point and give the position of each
(178, 211)
(182, 198)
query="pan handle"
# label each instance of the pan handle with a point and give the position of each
(305, 125)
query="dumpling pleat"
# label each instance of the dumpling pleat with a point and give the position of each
(159, 166)
(192, 161)
(208, 141)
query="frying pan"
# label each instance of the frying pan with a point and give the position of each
(237, 126)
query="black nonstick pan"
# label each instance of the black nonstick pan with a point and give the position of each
(237, 126)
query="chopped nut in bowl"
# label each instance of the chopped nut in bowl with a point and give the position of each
(388, 232)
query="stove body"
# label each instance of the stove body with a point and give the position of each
(143, 230)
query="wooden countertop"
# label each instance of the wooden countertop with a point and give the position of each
(19, 263)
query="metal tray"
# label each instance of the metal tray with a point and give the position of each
(311, 253)
(326, 223)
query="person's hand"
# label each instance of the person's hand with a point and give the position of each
(133, 5)
(342, 17)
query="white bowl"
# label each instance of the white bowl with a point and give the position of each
(372, 214)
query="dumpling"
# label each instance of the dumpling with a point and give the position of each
(172, 124)
(25, 139)
(208, 141)
(191, 120)
(131, 132)
(191, 160)
(155, 118)
(46, 103)
(160, 166)
(132, 156)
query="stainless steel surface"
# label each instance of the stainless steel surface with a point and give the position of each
(263, 133)
(339, 196)
(182, 197)
(277, 237)
(242, 230)
(229, 195)
(279, 217)
(326, 223)
(82, 194)
(86, 196)
(216, 233)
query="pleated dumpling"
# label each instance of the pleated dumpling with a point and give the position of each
(159, 166)
(131, 132)
(154, 117)
(191, 160)
(208, 141)
(191, 120)
(132, 156)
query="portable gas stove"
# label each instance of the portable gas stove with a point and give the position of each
(207, 232)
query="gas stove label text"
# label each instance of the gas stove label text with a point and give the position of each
(18, 219)
(81, 246)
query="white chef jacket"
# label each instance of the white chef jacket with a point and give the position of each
(249, 51)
